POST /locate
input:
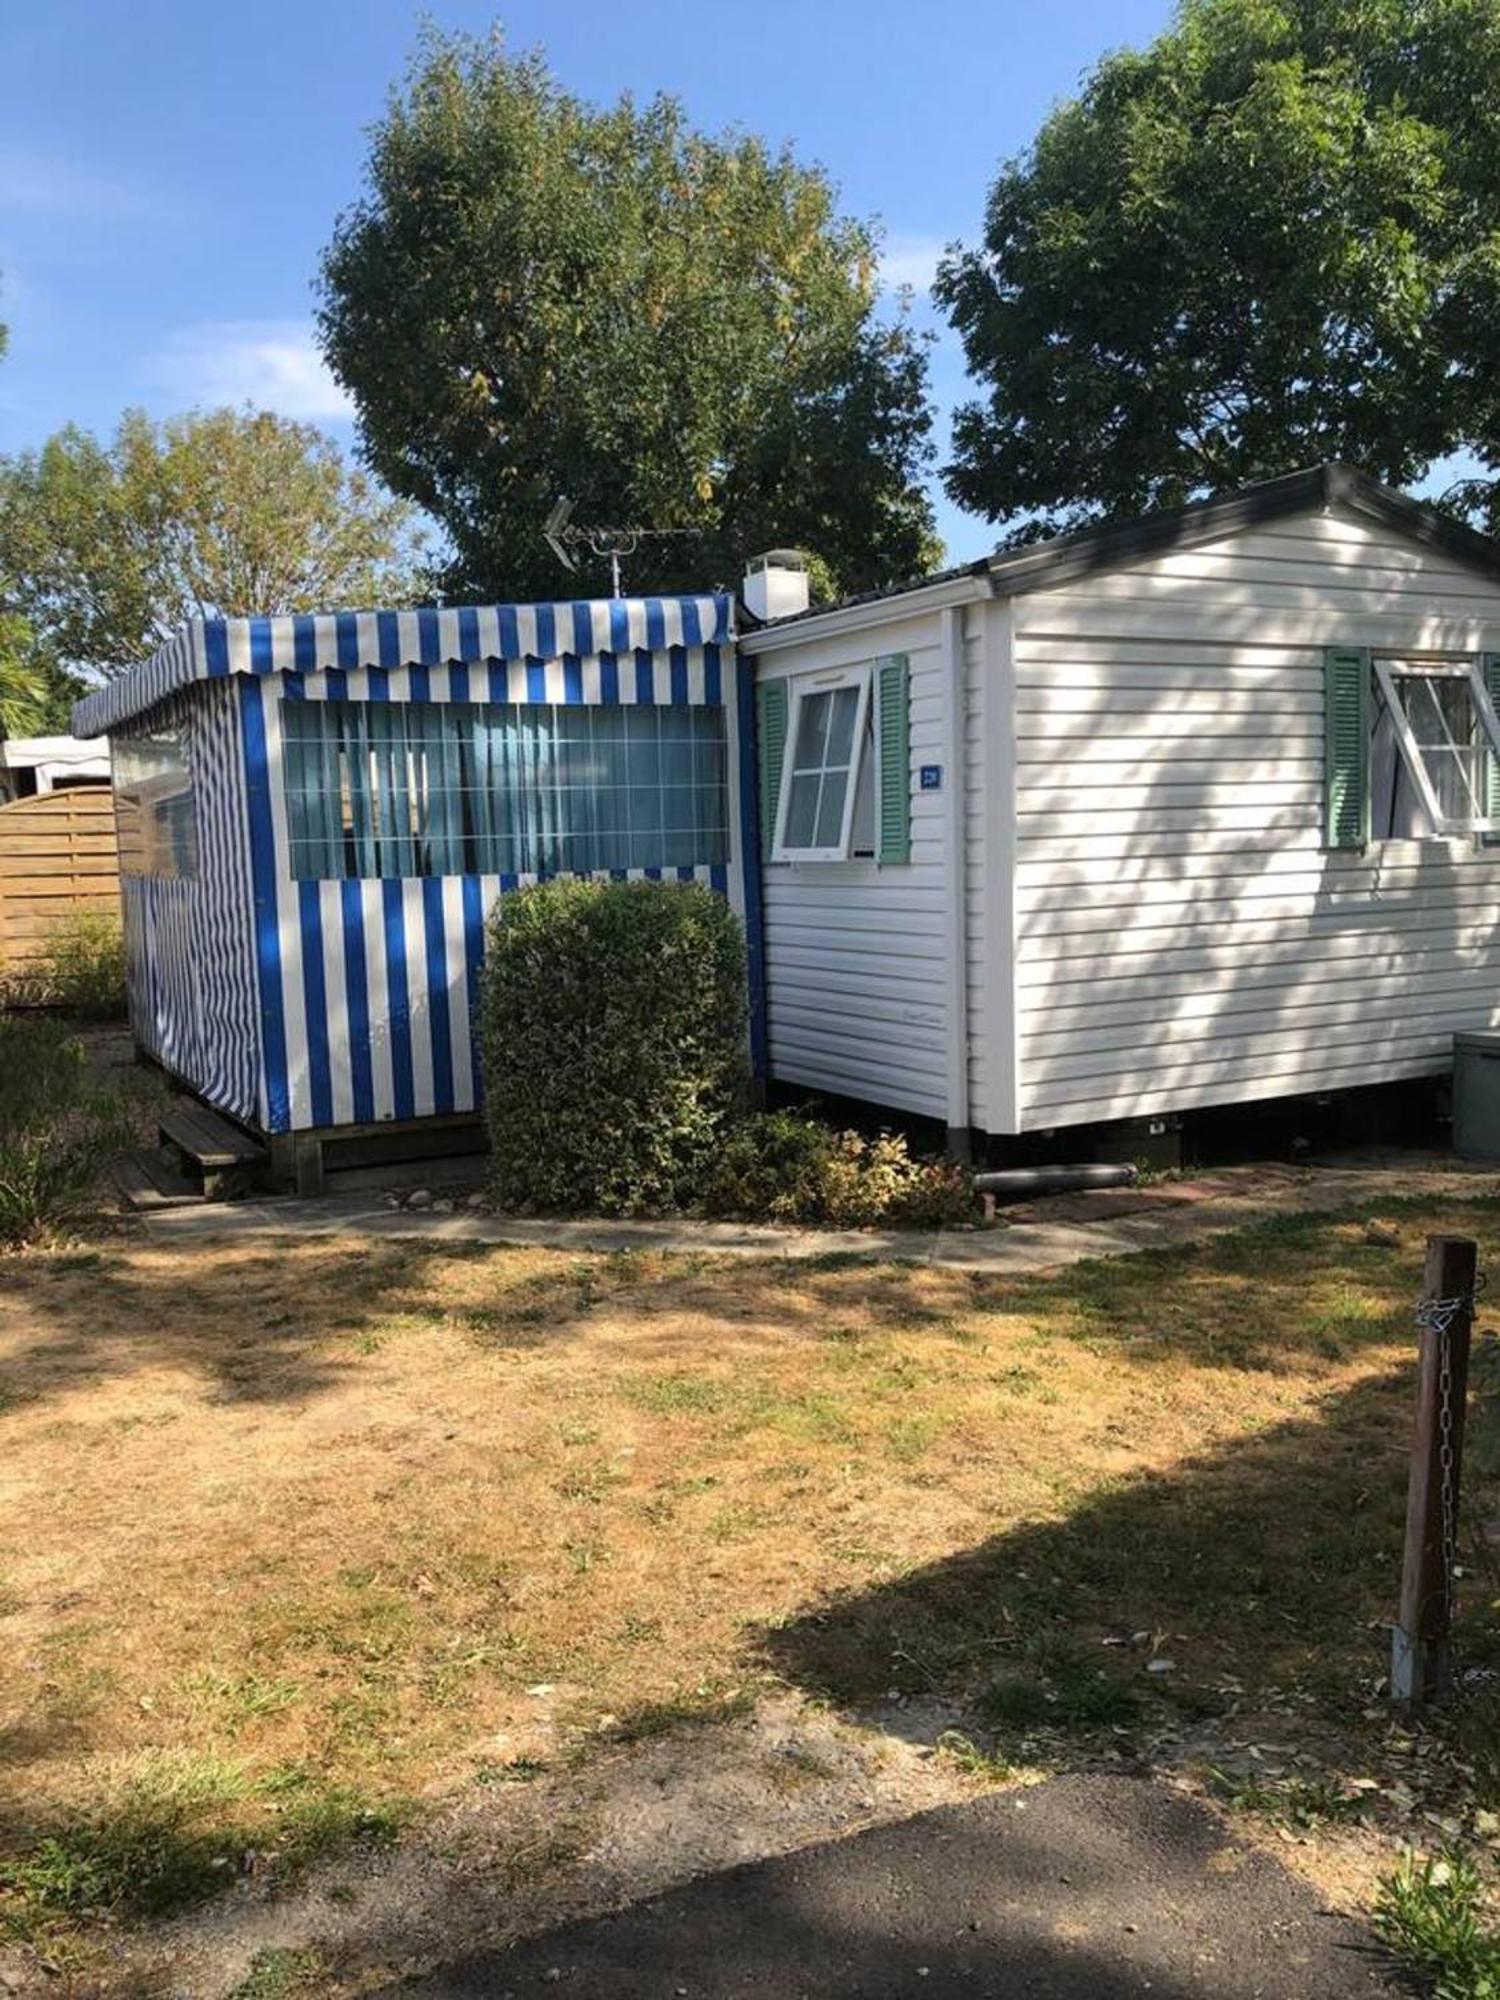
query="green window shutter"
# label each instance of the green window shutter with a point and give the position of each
(770, 729)
(1346, 746)
(893, 741)
(1491, 762)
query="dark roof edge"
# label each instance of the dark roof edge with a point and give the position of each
(1088, 550)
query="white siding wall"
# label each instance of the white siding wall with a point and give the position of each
(857, 979)
(1181, 937)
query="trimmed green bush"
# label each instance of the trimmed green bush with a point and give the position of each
(57, 1128)
(779, 1167)
(613, 1032)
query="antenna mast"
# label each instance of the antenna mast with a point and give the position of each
(565, 539)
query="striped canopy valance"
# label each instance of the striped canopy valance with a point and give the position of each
(319, 642)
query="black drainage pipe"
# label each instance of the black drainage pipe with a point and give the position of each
(1020, 1183)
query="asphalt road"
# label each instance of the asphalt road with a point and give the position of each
(1081, 1889)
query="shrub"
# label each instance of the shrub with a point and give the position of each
(80, 970)
(780, 1167)
(1433, 1917)
(57, 1127)
(613, 1021)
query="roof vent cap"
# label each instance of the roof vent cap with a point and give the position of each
(776, 584)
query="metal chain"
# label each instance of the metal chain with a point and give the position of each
(1436, 1316)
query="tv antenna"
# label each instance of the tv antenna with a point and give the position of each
(565, 539)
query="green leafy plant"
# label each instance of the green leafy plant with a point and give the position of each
(1296, 1802)
(613, 1024)
(80, 969)
(1057, 1684)
(57, 1128)
(778, 1166)
(1432, 1915)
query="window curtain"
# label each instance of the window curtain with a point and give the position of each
(430, 789)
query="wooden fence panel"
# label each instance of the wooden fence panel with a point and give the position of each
(57, 854)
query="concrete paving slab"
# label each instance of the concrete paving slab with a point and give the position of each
(1040, 1237)
(1085, 1888)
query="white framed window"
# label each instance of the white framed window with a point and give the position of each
(827, 807)
(1433, 732)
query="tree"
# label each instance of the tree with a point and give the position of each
(23, 692)
(219, 513)
(536, 297)
(1271, 237)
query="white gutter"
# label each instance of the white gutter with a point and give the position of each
(955, 843)
(859, 617)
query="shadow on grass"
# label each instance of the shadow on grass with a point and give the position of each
(262, 1326)
(1268, 1563)
(282, 1321)
(175, 1834)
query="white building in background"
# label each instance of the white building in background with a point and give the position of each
(33, 765)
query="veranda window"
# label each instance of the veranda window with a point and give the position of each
(429, 788)
(154, 815)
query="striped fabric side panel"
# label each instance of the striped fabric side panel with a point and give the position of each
(229, 1028)
(164, 981)
(381, 642)
(368, 988)
(136, 916)
(175, 665)
(189, 969)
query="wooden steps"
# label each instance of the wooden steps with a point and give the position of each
(202, 1135)
(154, 1179)
(202, 1157)
(214, 1152)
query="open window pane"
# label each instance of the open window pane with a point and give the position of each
(802, 809)
(812, 732)
(845, 706)
(831, 809)
(1431, 738)
(154, 811)
(862, 830)
(829, 753)
(1441, 714)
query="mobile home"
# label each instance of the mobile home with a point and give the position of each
(1196, 811)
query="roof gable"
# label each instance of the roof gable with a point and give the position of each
(1065, 559)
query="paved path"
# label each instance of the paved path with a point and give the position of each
(1081, 1889)
(1038, 1237)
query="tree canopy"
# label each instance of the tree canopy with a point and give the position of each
(1272, 237)
(538, 297)
(225, 512)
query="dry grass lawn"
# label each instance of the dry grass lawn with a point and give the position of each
(294, 1534)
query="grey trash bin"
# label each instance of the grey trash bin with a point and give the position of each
(1476, 1096)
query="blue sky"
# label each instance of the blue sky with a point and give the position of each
(170, 169)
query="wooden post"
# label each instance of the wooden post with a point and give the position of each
(1419, 1642)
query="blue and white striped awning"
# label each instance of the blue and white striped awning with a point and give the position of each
(320, 642)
